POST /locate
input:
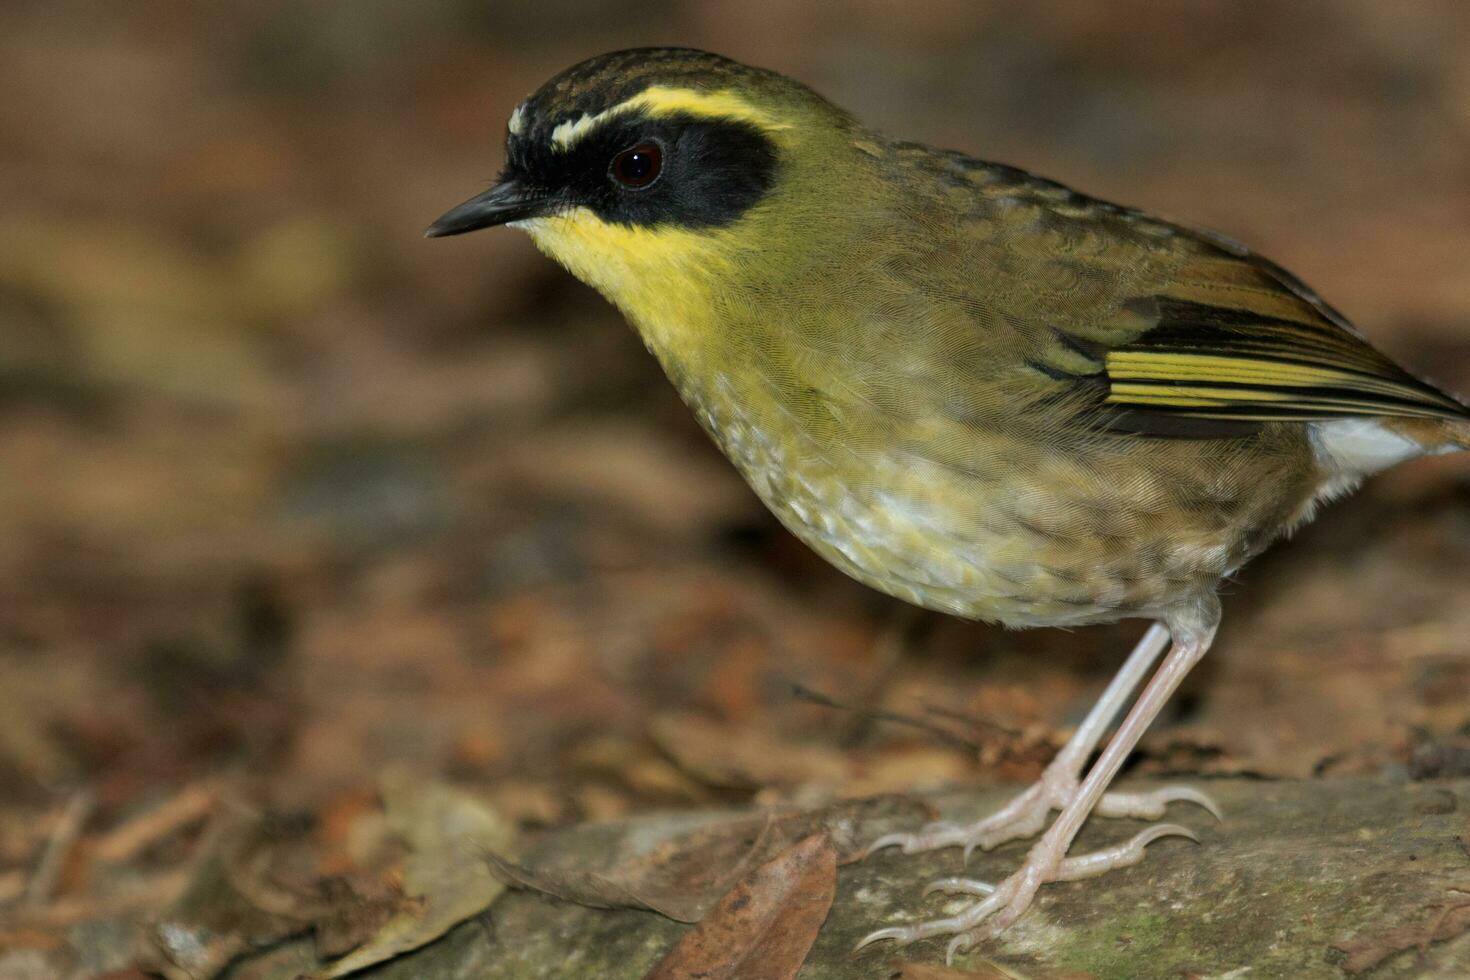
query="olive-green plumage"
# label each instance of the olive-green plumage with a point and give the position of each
(964, 385)
(921, 361)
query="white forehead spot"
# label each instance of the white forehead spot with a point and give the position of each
(517, 120)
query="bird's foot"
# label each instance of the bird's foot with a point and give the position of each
(1002, 904)
(1026, 814)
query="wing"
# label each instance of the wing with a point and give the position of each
(1234, 360)
(1205, 338)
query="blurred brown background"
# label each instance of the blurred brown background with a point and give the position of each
(289, 494)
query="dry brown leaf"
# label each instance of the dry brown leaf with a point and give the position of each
(743, 756)
(912, 768)
(680, 884)
(12, 885)
(227, 907)
(447, 832)
(763, 928)
(611, 465)
(353, 909)
(683, 877)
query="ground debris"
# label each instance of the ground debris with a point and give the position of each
(1432, 924)
(762, 928)
(59, 845)
(1293, 868)
(229, 906)
(683, 877)
(745, 756)
(447, 833)
(290, 498)
(124, 842)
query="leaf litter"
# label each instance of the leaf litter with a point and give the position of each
(445, 881)
(763, 927)
(684, 877)
(189, 420)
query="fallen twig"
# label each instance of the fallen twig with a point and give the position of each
(938, 731)
(63, 838)
(193, 803)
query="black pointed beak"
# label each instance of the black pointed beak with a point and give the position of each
(507, 201)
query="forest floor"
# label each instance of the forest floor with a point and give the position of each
(334, 561)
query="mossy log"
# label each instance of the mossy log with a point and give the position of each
(1308, 879)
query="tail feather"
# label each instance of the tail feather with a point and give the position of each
(1457, 434)
(1437, 436)
(1355, 448)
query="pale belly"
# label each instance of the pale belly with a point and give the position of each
(999, 546)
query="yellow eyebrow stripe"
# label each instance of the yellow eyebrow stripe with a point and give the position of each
(662, 100)
(722, 104)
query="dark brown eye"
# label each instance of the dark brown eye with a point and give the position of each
(639, 166)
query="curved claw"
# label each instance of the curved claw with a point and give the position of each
(1152, 834)
(1188, 794)
(1003, 904)
(1152, 804)
(1023, 816)
(903, 935)
(959, 886)
(959, 944)
(887, 840)
(899, 934)
(928, 837)
(1123, 855)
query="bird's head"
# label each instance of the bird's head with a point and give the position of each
(654, 169)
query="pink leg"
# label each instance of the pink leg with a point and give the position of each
(1026, 813)
(1047, 860)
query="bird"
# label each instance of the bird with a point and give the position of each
(964, 385)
